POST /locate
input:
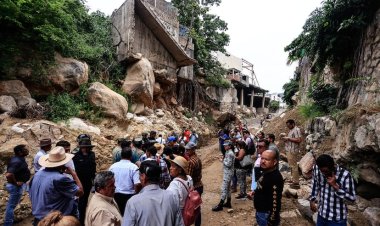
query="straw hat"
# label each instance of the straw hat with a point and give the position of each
(56, 157)
(159, 147)
(181, 162)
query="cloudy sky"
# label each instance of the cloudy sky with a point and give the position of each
(259, 30)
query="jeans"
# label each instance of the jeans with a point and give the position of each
(198, 220)
(262, 218)
(15, 193)
(324, 222)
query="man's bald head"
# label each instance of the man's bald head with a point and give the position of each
(268, 160)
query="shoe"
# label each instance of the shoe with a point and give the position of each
(295, 186)
(241, 197)
(233, 190)
(217, 208)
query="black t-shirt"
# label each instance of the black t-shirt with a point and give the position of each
(85, 167)
(18, 167)
(268, 194)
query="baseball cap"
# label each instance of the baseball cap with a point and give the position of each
(171, 139)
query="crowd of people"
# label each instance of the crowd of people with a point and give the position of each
(152, 176)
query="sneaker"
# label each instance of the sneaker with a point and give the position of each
(241, 197)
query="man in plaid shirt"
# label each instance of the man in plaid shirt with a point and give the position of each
(334, 185)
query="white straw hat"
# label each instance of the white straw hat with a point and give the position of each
(56, 157)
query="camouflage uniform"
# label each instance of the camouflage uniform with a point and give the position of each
(228, 172)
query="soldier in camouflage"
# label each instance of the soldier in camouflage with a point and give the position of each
(228, 172)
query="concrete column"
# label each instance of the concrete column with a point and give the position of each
(263, 100)
(241, 97)
(252, 98)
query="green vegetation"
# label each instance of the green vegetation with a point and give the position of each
(332, 34)
(208, 34)
(274, 105)
(324, 96)
(188, 114)
(310, 110)
(63, 106)
(209, 119)
(331, 37)
(290, 89)
(32, 31)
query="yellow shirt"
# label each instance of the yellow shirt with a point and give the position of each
(102, 210)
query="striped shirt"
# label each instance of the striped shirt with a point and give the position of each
(293, 146)
(165, 176)
(195, 170)
(332, 204)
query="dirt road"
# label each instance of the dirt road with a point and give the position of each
(243, 211)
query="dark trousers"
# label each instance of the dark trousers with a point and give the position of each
(82, 204)
(198, 220)
(121, 200)
(257, 173)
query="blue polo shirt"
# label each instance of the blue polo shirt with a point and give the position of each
(52, 190)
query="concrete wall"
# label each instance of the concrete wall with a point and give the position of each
(229, 61)
(138, 38)
(124, 21)
(226, 97)
(147, 44)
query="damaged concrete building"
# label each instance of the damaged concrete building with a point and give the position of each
(150, 29)
(246, 91)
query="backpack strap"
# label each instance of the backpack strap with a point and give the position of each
(187, 189)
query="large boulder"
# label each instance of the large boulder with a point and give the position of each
(7, 104)
(13, 88)
(373, 215)
(112, 104)
(140, 81)
(138, 108)
(69, 73)
(79, 125)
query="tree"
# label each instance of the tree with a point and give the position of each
(290, 89)
(31, 31)
(208, 34)
(274, 105)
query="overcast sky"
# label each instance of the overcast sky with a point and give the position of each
(259, 30)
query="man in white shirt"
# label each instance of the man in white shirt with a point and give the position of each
(45, 147)
(127, 179)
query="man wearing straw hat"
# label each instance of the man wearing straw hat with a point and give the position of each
(45, 147)
(50, 189)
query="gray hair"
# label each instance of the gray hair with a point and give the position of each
(102, 178)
